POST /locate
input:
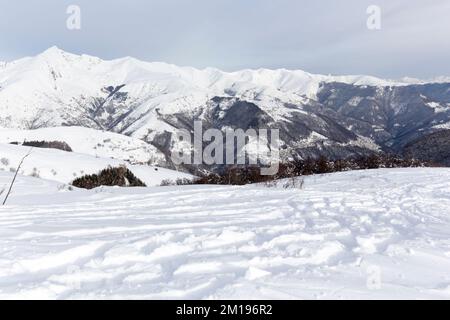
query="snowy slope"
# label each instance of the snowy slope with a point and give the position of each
(89, 141)
(64, 166)
(57, 87)
(368, 234)
(354, 115)
(152, 100)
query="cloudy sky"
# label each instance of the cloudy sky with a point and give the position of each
(327, 36)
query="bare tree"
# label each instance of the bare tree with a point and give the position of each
(15, 176)
(37, 122)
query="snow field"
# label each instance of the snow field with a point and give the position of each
(364, 234)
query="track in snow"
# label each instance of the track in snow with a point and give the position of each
(366, 234)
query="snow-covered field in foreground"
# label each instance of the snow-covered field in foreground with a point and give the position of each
(367, 234)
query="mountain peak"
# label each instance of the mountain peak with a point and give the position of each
(54, 49)
(55, 53)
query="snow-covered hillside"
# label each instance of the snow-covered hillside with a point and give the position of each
(97, 143)
(64, 167)
(363, 234)
(57, 87)
(353, 115)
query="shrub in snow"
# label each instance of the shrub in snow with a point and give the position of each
(4, 161)
(183, 182)
(35, 173)
(60, 145)
(167, 182)
(235, 175)
(64, 187)
(178, 182)
(118, 176)
(240, 175)
(293, 183)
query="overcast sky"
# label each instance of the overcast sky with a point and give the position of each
(324, 36)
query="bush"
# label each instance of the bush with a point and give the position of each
(236, 175)
(60, 145)
(177, 182)
(35, 173)
(183, 182)
(118, 176)
(241, 175)
(167, 183)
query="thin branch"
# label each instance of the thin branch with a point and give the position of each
(15, 176)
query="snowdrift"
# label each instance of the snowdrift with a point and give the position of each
(366, 234)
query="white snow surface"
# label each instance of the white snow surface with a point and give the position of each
(93, 142)
(364, 234)
(64, 167)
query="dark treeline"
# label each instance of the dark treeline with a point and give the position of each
(241, 175)
(60, 145)
(118, 176)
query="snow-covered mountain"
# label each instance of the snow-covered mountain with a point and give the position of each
(332, 115)
(57, 87)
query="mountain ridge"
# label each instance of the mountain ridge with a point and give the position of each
(353, 115)
(406, 80)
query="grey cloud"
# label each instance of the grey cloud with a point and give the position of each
(328, 36)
